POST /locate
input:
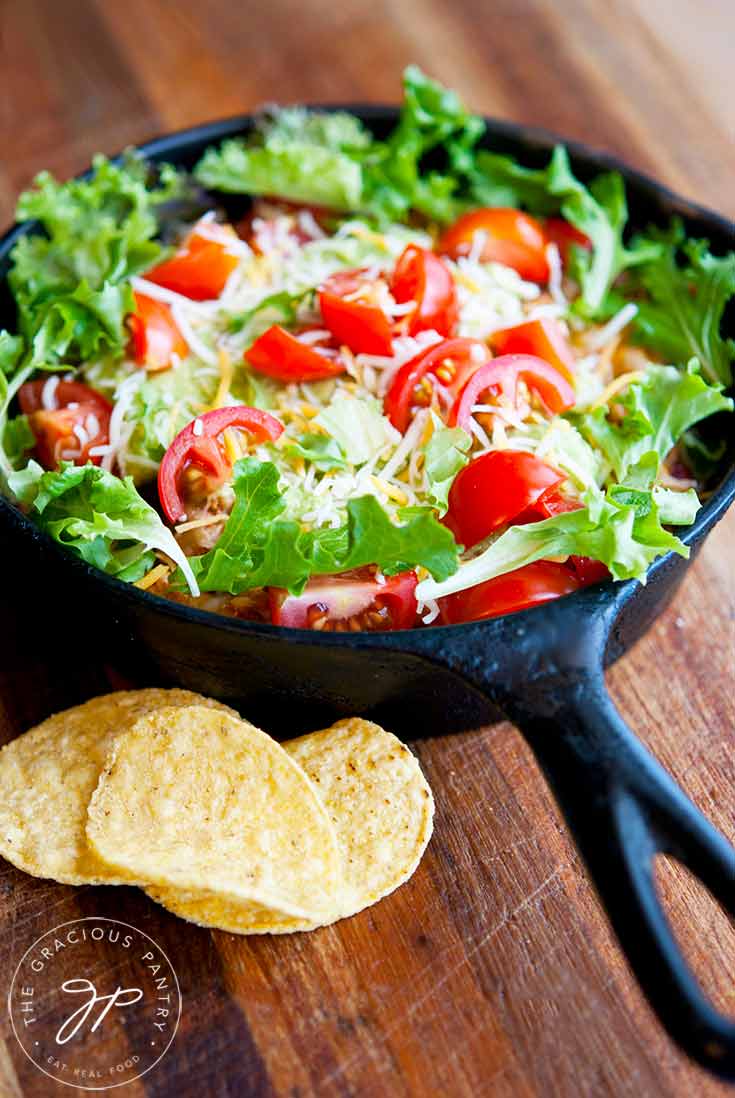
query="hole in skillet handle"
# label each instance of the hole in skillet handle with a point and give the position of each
(622, 807)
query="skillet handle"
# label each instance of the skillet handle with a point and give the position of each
(623, 809)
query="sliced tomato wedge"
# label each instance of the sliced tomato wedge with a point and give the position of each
(448, 363)
(543, 338)
(509, 236)
(351, 317)
(202, 265)
(282, 355)
(68, 419)
(198, 447)
(348, 602)
(531, 585)
(565, 236)
(154, 336)
(423, 278)
(494, 490)
(501, 376)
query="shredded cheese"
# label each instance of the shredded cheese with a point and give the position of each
(159, 571)
(615, 386)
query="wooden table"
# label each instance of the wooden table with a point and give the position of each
(494, 971)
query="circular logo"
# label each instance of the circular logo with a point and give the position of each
(95, 1003)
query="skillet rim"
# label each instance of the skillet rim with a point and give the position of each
(615, 593)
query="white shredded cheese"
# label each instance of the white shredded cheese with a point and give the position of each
(599, 339)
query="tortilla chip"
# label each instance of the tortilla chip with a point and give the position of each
(198, 800)
(48, 775)
(382, 810)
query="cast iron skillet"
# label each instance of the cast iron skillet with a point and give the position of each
(542, 668)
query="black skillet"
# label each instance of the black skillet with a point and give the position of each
(542, 668)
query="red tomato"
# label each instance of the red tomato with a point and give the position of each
(201, 267)
(450, 363)
(197, 447)
(587, 570)
(501, 377)
(560, 232)
(495, 489)
(422, 277)
(154, 336)
(543, 338)
(72, 420)
(511, 237)
(363, 327)
(348, 602)
(282, 355)
(528, 586)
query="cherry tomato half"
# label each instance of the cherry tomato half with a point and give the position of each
(67, 418)
(154, 336)
(543, 338)
(450, 363)
(201, 267)
(348, 602)
(282, 355)
(511, 237)
(528, 586)
(564, 235)
(197, 447)
(501, 376)
(495, 489)
(422, 277)
(362, 326)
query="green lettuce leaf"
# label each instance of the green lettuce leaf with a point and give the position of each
(99, 517)
(333, 160)
(17, 439)
(624, 533)
(658, 410)
(323, 452)
(69, 280)
(295, 154)
(686, 292)
(446, 452)
(261, 546)
(599, 210)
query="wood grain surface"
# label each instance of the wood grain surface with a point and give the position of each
(493, 972)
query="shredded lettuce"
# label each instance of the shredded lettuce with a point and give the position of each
(658, 409)
(321, 451)
(359, 427)
(99, 517)
(261, 546)
(446, 452)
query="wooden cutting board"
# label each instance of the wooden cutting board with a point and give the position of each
(493, 971)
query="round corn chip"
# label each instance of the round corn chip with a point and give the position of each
(48, 775)
(382, 810)
(196, 799)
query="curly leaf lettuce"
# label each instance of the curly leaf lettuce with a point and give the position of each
(333, 160)
(70, 281)
(99, 517)
(260, 546)
(686, 291)
(625, 534)
(658, 410)
(600, 211)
